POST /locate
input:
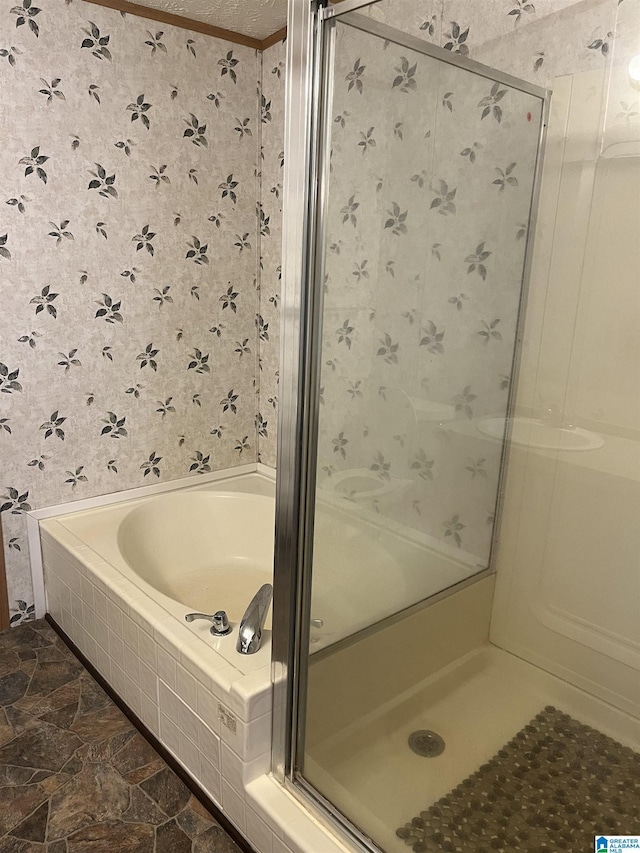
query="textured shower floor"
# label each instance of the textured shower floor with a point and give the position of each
(556, 785)
(476, 705)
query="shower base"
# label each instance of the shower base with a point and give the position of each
(557, 784)
(476, 704)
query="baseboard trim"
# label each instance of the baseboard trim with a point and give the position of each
(4, 598)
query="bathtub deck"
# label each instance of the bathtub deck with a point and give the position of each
(75, 775)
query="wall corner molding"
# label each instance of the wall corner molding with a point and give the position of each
(179, 21)
(274, 38)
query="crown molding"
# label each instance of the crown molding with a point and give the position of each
(179, 21)
(274, 38)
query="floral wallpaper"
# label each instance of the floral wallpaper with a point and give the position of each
(141, 173)
(428, 212)
(535, 40)
(271, 168)
(130, 231)
(396, 405)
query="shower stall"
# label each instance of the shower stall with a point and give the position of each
(413, 183)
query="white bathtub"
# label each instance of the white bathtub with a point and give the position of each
(204, 548)
(210, 547)
(120, 578)
(367, 567)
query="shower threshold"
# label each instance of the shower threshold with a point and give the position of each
(476, 704)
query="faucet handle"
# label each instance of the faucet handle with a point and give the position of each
(219, 622)
(191, 617)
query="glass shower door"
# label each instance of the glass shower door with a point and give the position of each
(424, 232)
(427, 181)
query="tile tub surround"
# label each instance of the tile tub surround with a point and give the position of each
(75, 775)
(214, 716)
(211, 709)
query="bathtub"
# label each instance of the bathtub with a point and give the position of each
(120, 577)
(119, 580)
(210, 546)
(368, 567)
(204, 548)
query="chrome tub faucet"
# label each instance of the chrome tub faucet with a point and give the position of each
(219, 622)
(252, 623)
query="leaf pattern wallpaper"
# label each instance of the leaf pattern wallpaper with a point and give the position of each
(140, 223)
(421, 292)
(270, 226)
(130, 237)
(428, 210)
(535, 41)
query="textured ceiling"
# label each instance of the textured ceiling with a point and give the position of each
(255, 18)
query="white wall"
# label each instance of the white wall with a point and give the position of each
(568, 590)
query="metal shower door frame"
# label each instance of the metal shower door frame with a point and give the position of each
(308, 95)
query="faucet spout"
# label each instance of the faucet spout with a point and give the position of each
(252, 623)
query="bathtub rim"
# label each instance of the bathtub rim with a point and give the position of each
(35, 516)
(119, 502)
(100, 559)
(241, 682)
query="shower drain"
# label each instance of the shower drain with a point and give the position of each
(426, 743)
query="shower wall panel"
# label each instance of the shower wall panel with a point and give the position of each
(568, 589)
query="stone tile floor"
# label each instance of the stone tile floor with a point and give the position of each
(555, 786)
(75, 775)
